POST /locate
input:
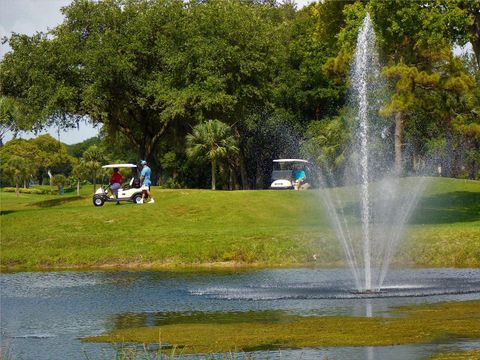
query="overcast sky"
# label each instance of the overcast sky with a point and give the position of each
(30, 16)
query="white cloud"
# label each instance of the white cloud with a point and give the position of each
(28, 17)
(302, 3)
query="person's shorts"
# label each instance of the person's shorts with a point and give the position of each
(115, 186)
(145, 188)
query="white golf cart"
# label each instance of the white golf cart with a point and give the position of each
(130, 192)
(285, 171)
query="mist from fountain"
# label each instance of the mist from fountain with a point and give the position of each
(370, 213)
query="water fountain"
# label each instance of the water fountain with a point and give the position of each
(370, 213)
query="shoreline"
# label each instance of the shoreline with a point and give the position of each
(226, 266)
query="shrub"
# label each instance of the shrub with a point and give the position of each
(30, 191)
(71, 181)
(59, 180)
(172, 184)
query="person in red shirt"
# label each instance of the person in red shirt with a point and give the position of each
(116, 183)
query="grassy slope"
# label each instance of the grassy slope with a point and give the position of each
(445, 229)
(191, 227)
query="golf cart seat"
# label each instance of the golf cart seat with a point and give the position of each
(135, 183)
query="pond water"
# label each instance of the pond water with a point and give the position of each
(44, 315)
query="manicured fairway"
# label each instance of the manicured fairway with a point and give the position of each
(201, 227)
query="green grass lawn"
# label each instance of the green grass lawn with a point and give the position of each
(201, 227)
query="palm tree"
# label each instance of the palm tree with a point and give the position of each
(20, 169)
(211, 140)
(94, 157)
(78, 171)
(19, 160)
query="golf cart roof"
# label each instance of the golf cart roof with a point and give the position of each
(290, 160)
(119, 166)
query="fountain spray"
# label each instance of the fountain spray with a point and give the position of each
(369, 215)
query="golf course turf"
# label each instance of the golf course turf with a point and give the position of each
(195, 228)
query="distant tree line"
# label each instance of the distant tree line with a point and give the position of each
(45, 161)
(209, 92)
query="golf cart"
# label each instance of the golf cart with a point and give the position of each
(286, 171)
(128, 192)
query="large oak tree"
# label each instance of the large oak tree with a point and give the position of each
(141, 67)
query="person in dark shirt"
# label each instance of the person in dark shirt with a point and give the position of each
(116, 183)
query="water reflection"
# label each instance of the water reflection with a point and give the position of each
(368, 313)
(137, 320)
(43, 315)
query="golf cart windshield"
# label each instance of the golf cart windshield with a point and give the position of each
(133, 172)
(283, 169)
(111, 166)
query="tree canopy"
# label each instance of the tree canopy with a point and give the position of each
(277, 76)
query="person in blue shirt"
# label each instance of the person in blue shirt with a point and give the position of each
(146, 182)
(298, 177)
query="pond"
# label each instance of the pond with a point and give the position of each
(44, 315)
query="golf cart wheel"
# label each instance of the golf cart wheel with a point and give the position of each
(137, 199)
(98, 201)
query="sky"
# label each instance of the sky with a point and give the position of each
(30, 16)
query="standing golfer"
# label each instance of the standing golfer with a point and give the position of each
(145, 180)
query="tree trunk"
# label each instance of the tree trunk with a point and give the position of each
(243, 172)
(414, 161)
(17, 188)
(94, 181)
(475, 37)
(449, 157)
(476, 50)
(457, 161)
(241, 158)
(234, 176)
(213, 173)
(78, 187)
(259, 175)
(398, 142)
(475, 163)
(474, 170)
